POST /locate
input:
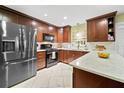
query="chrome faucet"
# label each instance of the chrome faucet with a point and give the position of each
(78, 46)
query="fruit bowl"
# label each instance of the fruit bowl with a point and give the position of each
(103, 54)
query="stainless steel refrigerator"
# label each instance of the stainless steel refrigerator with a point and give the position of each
(17, 53)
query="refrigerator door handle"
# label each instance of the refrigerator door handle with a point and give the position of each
(20, 40)
(24, 43)
(29, 49)
(4, 28)
(17, 43)
(34, 41)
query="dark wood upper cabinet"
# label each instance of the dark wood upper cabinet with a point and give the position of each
(101, 28)
(67, 34)
(24, 20)
(0, 15)
(53, 32)
(60, 35)
(13, 16)
(91, 33)
(41, 29)
(8, 16)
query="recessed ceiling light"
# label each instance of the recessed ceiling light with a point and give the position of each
(50, 28)
(61, 29)
(45, 15)
(65, 17)
(33, 23)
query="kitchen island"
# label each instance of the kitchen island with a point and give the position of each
(90, 71)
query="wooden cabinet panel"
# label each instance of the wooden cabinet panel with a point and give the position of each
(67, 34)
(9, 16)
(43, 28)
(60, 35)
(83, 79)
(1, 14)
(67, 56)
(97, 28)
(41, 60)
(91, 31)
(24, 20)
(53, 32)
(60, 55)
(102, 29)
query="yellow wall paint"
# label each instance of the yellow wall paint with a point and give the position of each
(120, 18)
(78, 32)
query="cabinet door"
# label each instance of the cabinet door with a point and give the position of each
(102, 29)
(60, 57)
(24, 20)
(70, 56)
(60, 36)
(41, 29)
(67, 34)
(41, 60)
(91, 31)
(53, 32)
(65, 56)
(0, 15)
(9, 16)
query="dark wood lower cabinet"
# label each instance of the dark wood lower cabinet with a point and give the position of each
(83, 79)
(41, 60)
(67, 56)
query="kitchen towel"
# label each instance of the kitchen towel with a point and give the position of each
(53, 55)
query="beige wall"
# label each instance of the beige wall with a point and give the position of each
(120, 18)
(78, 32)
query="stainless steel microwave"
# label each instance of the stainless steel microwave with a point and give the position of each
(48, 37)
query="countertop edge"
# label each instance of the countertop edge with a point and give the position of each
(97, 73)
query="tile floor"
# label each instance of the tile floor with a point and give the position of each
(58, 76)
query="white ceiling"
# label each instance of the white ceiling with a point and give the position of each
(75, 13)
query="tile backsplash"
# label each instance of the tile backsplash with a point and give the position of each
(90, 45)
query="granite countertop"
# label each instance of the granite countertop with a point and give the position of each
(112, 68)
(66, 49)
(74, 49)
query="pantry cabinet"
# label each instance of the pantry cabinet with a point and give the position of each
(101, 28)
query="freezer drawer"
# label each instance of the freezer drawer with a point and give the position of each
(32, 67)
(17, 72)
(2, 77)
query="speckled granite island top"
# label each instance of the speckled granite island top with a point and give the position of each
(112, 68)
